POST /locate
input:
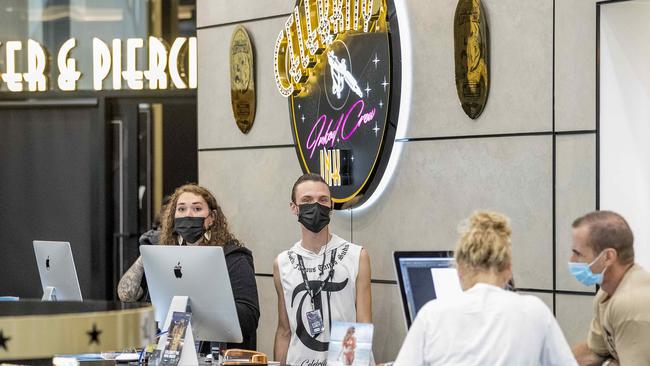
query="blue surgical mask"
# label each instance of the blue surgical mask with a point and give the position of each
(582, 273)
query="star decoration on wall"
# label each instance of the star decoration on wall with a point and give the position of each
(94, 334)
(4, 340)
(367, 89)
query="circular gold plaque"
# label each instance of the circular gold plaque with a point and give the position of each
(242, 79)
(471, 56)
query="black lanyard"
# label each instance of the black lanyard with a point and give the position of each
(303, 271)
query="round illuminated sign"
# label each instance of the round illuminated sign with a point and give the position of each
(334, 62)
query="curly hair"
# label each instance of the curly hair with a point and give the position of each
(219, 232)
(484, 243)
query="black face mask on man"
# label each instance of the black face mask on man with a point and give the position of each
(314, 216)
(189, 228)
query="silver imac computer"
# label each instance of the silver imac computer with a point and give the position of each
(57, 271)
(424, 276)
(200, 273)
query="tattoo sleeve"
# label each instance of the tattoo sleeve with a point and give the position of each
(129, 289)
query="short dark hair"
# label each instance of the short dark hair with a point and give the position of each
(607, 229)
(308, 177)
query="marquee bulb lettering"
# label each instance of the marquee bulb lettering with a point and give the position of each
(284, 85)
(312, 26)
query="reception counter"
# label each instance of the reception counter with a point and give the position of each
(35, 330)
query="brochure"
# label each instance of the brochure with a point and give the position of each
(175, 339)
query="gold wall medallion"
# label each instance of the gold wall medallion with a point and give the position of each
(242, 79)
(471, 54)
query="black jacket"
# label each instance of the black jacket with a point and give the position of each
(241, 271)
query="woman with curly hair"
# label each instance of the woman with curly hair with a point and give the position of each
(193, 217)
(485, 325)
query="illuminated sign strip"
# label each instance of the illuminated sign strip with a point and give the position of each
(163, 65)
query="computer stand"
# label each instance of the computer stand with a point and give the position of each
(49, 294)
(188, 353)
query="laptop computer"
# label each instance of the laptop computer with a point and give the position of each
(424, 276)
(57, 271)
(200, 273)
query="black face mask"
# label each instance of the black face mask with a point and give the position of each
(190, 228)
(314, 216)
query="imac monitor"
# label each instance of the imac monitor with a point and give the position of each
(200, 273)
(57, 271)
(424, 276)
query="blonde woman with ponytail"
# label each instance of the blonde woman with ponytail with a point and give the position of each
(485, 325)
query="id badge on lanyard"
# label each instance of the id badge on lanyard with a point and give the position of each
(315, 321)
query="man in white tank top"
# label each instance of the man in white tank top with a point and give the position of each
(321, 279)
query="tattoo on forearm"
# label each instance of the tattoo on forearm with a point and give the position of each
(129, 289)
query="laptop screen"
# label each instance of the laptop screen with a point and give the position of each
(424, 276)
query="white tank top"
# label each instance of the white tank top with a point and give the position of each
(336, 301)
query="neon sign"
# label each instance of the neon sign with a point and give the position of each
(166, 65)
(328, 137)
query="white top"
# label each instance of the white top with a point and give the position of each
(336, 300)
(485, 325)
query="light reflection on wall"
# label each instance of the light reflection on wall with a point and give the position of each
(404, 106)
